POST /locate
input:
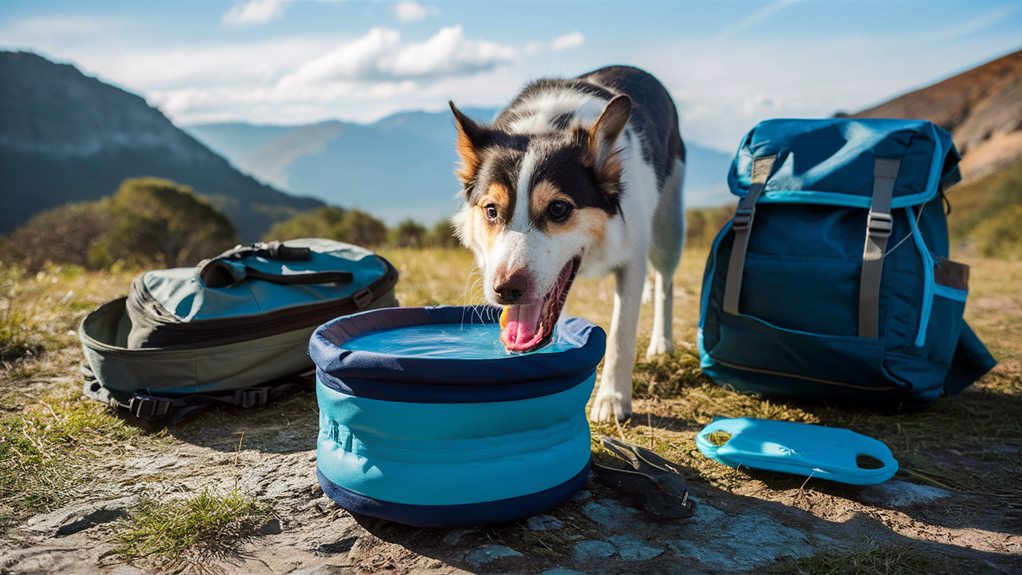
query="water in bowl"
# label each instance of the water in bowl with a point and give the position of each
(445, 340)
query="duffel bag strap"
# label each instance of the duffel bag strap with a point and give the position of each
(741, 224)
(150, 407)
(218, 273)
(879, 225)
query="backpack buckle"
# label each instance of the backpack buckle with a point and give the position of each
(743, 218)
(879, 224)
(149, 408)
(251, 397)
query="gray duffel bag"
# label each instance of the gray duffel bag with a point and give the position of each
(233, 330)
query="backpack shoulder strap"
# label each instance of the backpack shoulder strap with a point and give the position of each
(879, 224)
(741, 224)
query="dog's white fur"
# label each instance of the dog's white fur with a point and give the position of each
(650, 224)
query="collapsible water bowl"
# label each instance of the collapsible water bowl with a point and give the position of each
(426, 420)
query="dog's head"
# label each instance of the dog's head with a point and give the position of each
(533, 205)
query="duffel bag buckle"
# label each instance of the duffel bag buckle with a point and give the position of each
(362, 298)
(148, 407)
(252, 397)
(880, 224)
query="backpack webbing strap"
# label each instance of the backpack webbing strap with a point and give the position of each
(878, 229)
(742, 225)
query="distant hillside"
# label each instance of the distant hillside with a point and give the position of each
(397, 167)
(981, 107)
(66, 137)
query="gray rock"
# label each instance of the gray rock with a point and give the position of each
(593, 549)
(454, 537)
(79, 517)
(741, 543)
(633, 549)
(271, 527)
(608, 514)
(562, 571)
(488, 554)
(581, 495)
(902, 493)
(544, 523)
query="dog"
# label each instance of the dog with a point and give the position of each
(584, 176)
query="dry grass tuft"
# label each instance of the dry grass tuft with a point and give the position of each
(193, 531)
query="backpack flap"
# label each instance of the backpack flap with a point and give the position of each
(832, 161)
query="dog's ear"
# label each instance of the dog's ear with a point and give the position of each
(471, 138)
(604, 134)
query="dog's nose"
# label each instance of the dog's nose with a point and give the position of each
(510, 288)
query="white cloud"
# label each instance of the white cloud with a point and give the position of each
(755, 18)
(568, 41)
(66, 28)
(412, 10)
(381, 55)
(977, 23)
(252, 12)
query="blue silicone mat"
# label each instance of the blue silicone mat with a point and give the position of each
(798, 448)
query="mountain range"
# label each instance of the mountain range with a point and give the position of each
(397, 167)
(67, 137)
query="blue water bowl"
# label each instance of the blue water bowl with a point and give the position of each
(426, 420)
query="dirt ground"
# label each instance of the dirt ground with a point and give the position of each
(954, 507)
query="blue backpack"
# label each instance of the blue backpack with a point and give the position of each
(832, 280)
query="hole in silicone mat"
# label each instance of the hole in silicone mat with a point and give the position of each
(868, 462)
(719, 438)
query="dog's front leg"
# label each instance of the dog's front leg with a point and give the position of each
(614, 397)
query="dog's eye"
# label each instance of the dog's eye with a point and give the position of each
(491, 212)
(558, 210)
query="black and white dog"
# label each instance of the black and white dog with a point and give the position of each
(581, 175)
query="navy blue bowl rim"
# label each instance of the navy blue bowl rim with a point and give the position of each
(334, 363)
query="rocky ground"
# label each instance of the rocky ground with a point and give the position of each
(955, 506)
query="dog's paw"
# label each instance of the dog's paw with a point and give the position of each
(658, 346)
(609, 405)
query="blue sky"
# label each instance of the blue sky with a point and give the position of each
(728, 64)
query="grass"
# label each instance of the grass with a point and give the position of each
(206, 527)
(873, 559)
(42, 448)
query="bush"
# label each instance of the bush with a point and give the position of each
(442, 236)
(352, 226)
(66, 234)
(148, 221)
(163, 222)
(409, 234)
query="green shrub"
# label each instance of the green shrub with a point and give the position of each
(163, 222)
(409, 234)
(352, 226)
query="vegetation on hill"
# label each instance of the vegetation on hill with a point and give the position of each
(360, 228)
(147, 221)
(986, 215)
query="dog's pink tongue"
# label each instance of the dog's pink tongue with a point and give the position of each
(520, 326)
